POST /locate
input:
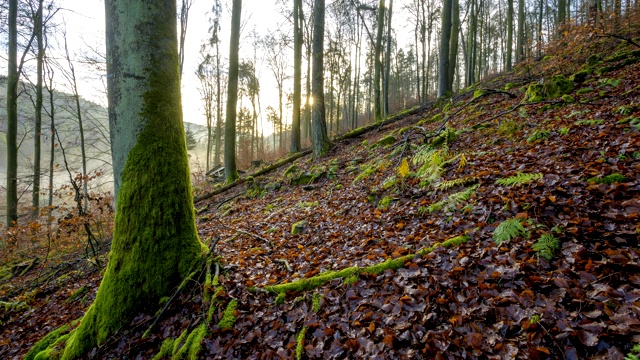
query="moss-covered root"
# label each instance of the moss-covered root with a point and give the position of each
(46, 347)
(229, 316)
(300, 343)
(389, 264)
(191, 347)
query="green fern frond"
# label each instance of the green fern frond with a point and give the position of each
(546, 246)
(448, 184)
(453, 199)
(509, 229)
(519, 179)
(423, 210)
(423, 155)
(632, 354)
(538, 135)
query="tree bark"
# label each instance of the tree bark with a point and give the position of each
(155, 240)
(12, 116)
(520, 38)
(443, 69)
(377, 65)
(387, 60)
(320, 139)
(37, 140)
(230, 171)
(297, 76)
(508, 60)
(453, 48)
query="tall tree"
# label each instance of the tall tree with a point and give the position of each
(387, 60)
(377, 64)
(444, 87)
(12, 116)
(520, 37)
(230, 171)
(37, 140)
(297, 76)
(510, 34)
(319, 136)
(155, 240)
(453, 47)
(184, 21)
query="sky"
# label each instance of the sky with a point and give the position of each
(86, 26)
(84, 22)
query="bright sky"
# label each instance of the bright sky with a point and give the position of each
(85, 25)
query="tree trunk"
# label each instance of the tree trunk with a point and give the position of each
(218, 150)
(321, 141)
(230, 171)
(155, 240)
(540, 28)
(444, 88)
(12, 117)
(520, 38)
(37, 150)
(453, 48)
(387, 60)
(297, 76)
(377, 64)
(52, 143)
(562, 11)
(510, 34)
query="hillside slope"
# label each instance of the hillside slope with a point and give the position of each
(502, 224)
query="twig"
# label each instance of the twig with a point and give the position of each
(256, 236)
(284, 263)
(274, 213)
(486, 93)
(620, 38)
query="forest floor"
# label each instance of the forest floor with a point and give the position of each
(534, 198)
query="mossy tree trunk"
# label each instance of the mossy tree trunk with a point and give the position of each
(230, 171)
(155, 242)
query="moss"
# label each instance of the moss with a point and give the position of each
(593, 59)
(300, 343)
(385, 141)
(445, 137)
(305, 179)
(478, 93)
(45, 345)
(155, 240)
(580, 76)
(568, 98)
(609, 179)
(280, 299)
(547, 57)
(552, 88)
(605, 69)
(455, 241)
(312, 282)
(166, 349)
(290, 171)
(385, 202)
(193, 344)
(510, 86)
(316, 298)
(307, 204)
(350, 280)
(78, 294)
(229, 316)
(585, 91)
(298, 227)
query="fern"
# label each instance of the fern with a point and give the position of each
(633, 354)
(453, 199)
(432, 162)
(509, 229)
(519, 179)
(546, 246)
(538, 135)
(448, 184)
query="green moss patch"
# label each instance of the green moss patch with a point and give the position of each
(552, 88)
(609, 179)
(229, 316)
(300, 343)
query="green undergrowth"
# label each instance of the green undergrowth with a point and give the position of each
(390, 264)
(609, 179)
(300, 343)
